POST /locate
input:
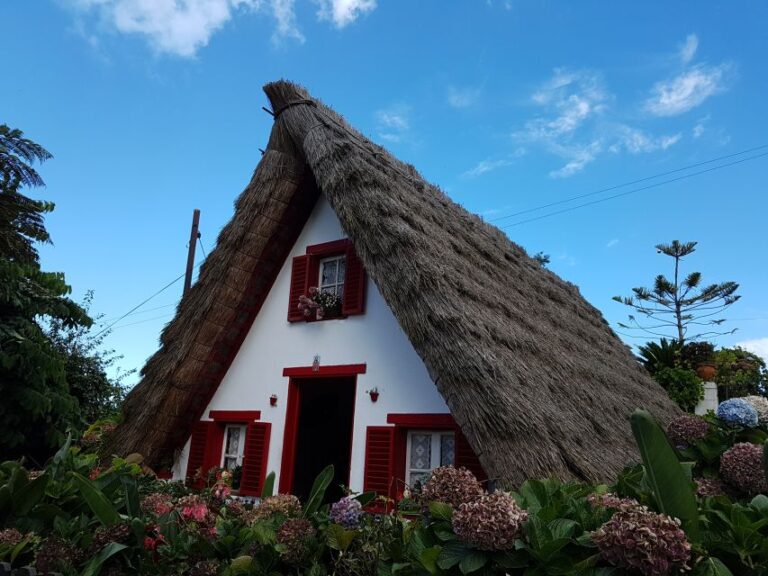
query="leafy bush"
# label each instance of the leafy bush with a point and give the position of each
(669, 513)
(682, 385)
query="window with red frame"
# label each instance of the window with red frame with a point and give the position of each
(333, 271)
(400, 455)
(231, 439)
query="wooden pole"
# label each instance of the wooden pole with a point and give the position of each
(193, 236)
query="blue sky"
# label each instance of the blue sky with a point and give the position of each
(153, 107)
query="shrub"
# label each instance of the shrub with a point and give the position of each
(491, 522)
(742, 467)
(650, 543)
(737, 412)
(760, 404)
(687, 429)
(682, 385)
(454, 486)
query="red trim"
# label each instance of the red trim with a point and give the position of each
(329, 248)
(293, 413)
(437, 421)
(243, 416)
(324, 371)
(289, 439)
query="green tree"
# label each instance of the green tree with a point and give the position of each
(674, 306)
(87, 366)
(36, 407)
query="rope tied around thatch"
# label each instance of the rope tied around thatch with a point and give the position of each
(291, 104)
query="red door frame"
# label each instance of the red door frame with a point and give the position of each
(302, 373)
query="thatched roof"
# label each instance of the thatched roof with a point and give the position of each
(531, 372)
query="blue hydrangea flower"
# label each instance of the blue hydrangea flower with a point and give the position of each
(737, 412)
(346, 512)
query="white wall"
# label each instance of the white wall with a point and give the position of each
(373, 338)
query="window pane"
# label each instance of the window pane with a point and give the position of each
(447, 450)
(230, 462)
(233, 440)
(342, 270)
(329, 273)
(421, 451)
(419, 479)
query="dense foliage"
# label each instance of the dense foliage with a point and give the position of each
(697, 508)
(673, 366)
(52, 374)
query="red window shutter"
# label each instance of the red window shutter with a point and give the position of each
(354, 285)
(466, 457)
(198, 450)
(378, 475)
(299, 279)
(255, 458)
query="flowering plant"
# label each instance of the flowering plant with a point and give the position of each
(319, 303)
(760, 404)
(737, 412)
(346, 512)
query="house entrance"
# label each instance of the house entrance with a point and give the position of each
(323, 433)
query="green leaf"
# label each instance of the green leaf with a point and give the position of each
(365, 498)
(102, 508)
(765, 458)
(441, 511)
(451, 554)
(473, 562)
(428, 558)
(664, 474)
(317, 493)
(131, 496)
(29, 495)
(269, 486)
(340, 539)
(711, 567)
(94, 566)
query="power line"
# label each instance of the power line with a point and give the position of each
(200, 241)
(625, 184)
(143, 311)
(654, 185)
(144, 321)
(132, 310)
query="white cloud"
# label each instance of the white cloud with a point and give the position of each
(285, 18)
(612, 242)
(636, 141)
(700, 127)
(687, 90)
(393, 124)
(344, 12)
(579, 157)
(758, 346)
(689, 48)
(487, 165)
(462, 97)
(178, 27)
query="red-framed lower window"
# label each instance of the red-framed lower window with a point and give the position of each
(331, 267)
(387, 448)
(231, 438)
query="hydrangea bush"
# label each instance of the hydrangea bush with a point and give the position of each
(737, 412)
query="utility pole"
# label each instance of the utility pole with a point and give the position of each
(193, 236)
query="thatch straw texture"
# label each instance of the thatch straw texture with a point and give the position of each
(532, 373)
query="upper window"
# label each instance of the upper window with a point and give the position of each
(326, 282)
(427, 450)
(234, 446)
(332, 274)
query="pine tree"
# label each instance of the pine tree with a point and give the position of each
(672, 307)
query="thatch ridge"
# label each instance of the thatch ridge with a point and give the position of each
(532, 373)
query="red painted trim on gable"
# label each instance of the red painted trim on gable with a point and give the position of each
(244, 416)
(325, 371)
(329, 248)
(289, 438)
(262, 279)
(437, 421)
